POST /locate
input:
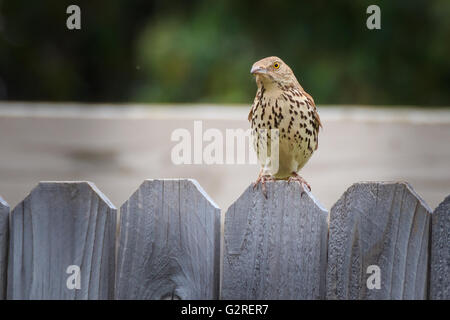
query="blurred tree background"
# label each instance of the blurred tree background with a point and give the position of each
(202, 51)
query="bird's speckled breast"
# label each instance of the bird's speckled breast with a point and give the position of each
(292, 113)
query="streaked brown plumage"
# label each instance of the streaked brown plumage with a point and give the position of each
(281, 103)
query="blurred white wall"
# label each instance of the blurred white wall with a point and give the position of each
(117, 147)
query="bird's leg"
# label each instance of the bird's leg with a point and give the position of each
(301, 181)
(262, 178)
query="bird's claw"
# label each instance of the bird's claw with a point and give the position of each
(262, 180)
(302, 182)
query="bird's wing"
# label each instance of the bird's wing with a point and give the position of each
(250, 114)
(316, 114)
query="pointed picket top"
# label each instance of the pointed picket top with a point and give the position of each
(62, 243)
(440, 252)
(185, 182)
(378, 243)
(73, 185)
(3, 203)
(169, 242)
(275, 247)
(4, 221)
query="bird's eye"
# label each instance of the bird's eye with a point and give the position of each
(276, 65)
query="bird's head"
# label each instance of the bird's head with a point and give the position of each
(273, 71)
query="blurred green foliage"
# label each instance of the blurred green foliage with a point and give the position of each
(202, 51)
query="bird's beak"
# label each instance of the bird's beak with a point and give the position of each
(257, 69)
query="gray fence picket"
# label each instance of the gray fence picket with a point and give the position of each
(169, 243)
(386, 225)
(62, 224)
(4, 227)
(440, 252)
(275, 248)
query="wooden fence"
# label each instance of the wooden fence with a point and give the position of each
(379, 241)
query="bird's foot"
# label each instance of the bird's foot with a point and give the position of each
(262, 179)
(301, 181)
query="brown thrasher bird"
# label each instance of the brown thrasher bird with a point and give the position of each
(284, 114)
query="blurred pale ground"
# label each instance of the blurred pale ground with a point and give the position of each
(117, 147)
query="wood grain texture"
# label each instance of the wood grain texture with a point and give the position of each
(169, 243)
(275, 248)
(61, 224)
(382, 224)
(440, 252)
(4, 221)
